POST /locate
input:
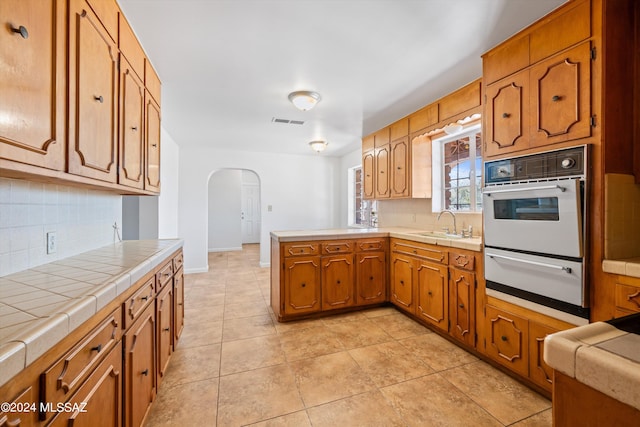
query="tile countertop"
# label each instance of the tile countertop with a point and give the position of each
(624, 267)
(601, 356)
(473, 243)
(40, 306)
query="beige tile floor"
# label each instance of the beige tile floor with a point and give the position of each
(235, 365)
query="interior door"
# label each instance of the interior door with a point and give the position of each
(250, 216)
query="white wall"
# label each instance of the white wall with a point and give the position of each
(81, 218)
(302, 191)
(169, 178)
(225, 206)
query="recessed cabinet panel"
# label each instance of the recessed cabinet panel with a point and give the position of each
(400, 173)
(337, 281)
(93, 100)
(561, 97)
(432, 296)
(382, 172)
(402, 282)
(539, 371)
(33, 97)
(302, 285)
(152, 139)
(371, 277)
(462, 292)
(368, 159)
(507, 339)
(131, 127)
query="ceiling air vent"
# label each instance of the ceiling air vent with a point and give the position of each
(287, 121)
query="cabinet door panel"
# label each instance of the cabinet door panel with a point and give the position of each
(152, 138)
(462, 292)
(371, 277)
(402, 282)
(93, 105)
(302, 285)
(560, 102)
(432, 296)
(507, 116)
(33, 97)
(507, 340)
(164, 333)
(368, 159)
(131, 127)
(539, 371)
(337, 282)
(400, 168)
(382, 172)
(178, 305)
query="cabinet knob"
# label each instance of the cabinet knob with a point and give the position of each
(556, 98)
(145, 372)
(402, 282)
(338, 282)
(461, 305)
(154, 145)
(134, 128)
(503, 338)
(506, 115)
(381, 171)
(22, 31)
(399, 168)
(97, 348)
(144, 298)
(370, 277)
(430, 293)
(99, 98)
(166, 329)
(415, 251)
(304, 285)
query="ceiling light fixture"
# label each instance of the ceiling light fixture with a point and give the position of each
(304, 100)
(318, 146)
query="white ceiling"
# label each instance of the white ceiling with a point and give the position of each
(227, 66)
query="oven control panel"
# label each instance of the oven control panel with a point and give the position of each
(552, 164)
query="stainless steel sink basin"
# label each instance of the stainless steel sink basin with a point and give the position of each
(439, 235)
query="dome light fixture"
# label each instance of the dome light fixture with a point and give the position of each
(304, 100)
(318, 146)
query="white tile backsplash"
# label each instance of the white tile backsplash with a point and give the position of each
(81, 218)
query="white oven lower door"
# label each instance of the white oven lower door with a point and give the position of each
(549, 277)
(543, 217)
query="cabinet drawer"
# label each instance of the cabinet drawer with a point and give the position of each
(460, 260)
(135, 305)
(301, 249)
(178, 260)
(627, 297)
(69, 371)
(370, 245)
(337, 247)
(425, 252)
(164, 275)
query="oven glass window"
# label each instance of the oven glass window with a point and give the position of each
(532, 209)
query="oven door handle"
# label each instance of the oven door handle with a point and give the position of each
(524, 261)
(489, 191)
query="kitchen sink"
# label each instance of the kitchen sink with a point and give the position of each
(439, 235)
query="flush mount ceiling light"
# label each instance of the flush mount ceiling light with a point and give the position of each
(304, 100)
(318, 146)
(452, 128)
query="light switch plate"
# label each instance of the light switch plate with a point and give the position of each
(52, 242)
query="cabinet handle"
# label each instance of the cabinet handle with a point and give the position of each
(556, 98)
(145, 372)
(304, 285)
(461, 305)
(144, 298)
(134, 128)
(100, 99)
(399, 168)
(97, 348)
(22, 31)
(166, 329)
(381, 171)
(506, 115)
(154, 145)
(503, 338)
(415, 251)
(180, 304)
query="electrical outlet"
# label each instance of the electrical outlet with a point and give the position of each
(52, 242)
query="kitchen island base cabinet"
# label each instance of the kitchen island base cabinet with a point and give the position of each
(402, 292)
(337, 281)
(302, 285)
(371, 277)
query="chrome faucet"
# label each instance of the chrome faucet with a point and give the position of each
(455, 230)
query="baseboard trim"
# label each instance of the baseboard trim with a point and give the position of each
(196, 270)
(237, 248)
(265, 264)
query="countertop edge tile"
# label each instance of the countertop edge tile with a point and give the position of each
(560, 353)
(13, 356)
(80, 311)
(44, 335)
(610, 374)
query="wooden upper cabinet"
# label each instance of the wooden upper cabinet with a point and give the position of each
(152, 142)
(423, 118)
(131, 152)
(505, 59)
(561, 97)
(507, 115)
(32, 129)
(368, 143)
(93, 96)
(463, 99)
(381, 185)
(400, 167)
(368, 174)
(381, 137)
(399, 129)
(130, 47)
(107, 12)
(421, 167)
(152, 81)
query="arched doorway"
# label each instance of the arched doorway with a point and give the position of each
(234, 216)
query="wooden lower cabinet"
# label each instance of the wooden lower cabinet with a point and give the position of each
(507, 339)
(164, 331)
(462, 312)
(302, 287)
(338, 290)
(371, 275)
(401, 293)
(178, 305)
(140, 367)
(21, 418)
(98, 402)
(539, 371)
(432, 293)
